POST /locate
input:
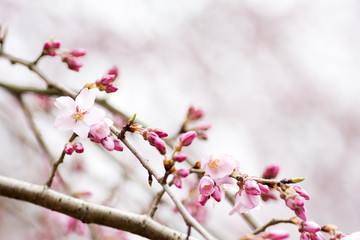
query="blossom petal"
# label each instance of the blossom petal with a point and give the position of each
(65, 104)
(64, 122)
(81, 129)
(95, 115)
(85, 99)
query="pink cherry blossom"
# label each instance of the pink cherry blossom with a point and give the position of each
(219, 166)
(78, 115)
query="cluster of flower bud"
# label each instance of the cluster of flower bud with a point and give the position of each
(310, 231)
(71, 147)
(100, 133)
(71, 58)
(295, 197)
(153, 136)
(106, 82)
(193, 115)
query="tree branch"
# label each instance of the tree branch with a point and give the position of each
(87, 212)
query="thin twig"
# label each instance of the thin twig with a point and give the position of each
(271, 223)
(57, 163)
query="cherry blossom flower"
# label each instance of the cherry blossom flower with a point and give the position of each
(78, 115)
(219, 166)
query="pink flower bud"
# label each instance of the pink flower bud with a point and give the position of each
(114, 71)
(110, 88)
(69, 149)
(204, 127)
(177, 181)
(158, 132)
(203, 199)
(251, 187)
(78, 52)
(179, 157)
(216, 194)
(271, 171)
(157, 142)
(50, 48)
(187, 138)
(194, 114)
(106, 79)
(108, 143)
(78, 147)
(183, 172)
(206, 186)
(117, 145)
(310, 226)
(300, 212)
(73, 63)
(263, 188)
(56, 44)
(301, 192)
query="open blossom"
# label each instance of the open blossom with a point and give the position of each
(219, 166)
(78, 115)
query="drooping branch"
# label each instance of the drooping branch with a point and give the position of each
(87, 212)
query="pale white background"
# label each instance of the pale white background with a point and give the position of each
(277, 79)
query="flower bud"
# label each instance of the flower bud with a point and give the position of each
(110, 88)
(194, 114)
(187, 138)
(183, 172)
(78, 52)
(69, 149)
(301, 192)
(157, 142)
(106, 79)
(117, 145)
(216, 194)
(114, 71)
(179, 157)
(108, 143)
(177, 181)
(78, 147)
(271, 171)
(310, 226)
(73, 63)
(251, 187)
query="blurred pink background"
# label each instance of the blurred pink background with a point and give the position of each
(278, 81)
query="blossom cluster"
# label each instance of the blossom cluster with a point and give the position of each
(86, 120)
(192, 116)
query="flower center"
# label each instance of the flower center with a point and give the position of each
(214, 164)
(79, 114)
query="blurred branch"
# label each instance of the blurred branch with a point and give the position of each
(87, 212)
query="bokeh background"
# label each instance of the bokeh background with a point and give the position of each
(278, 81)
